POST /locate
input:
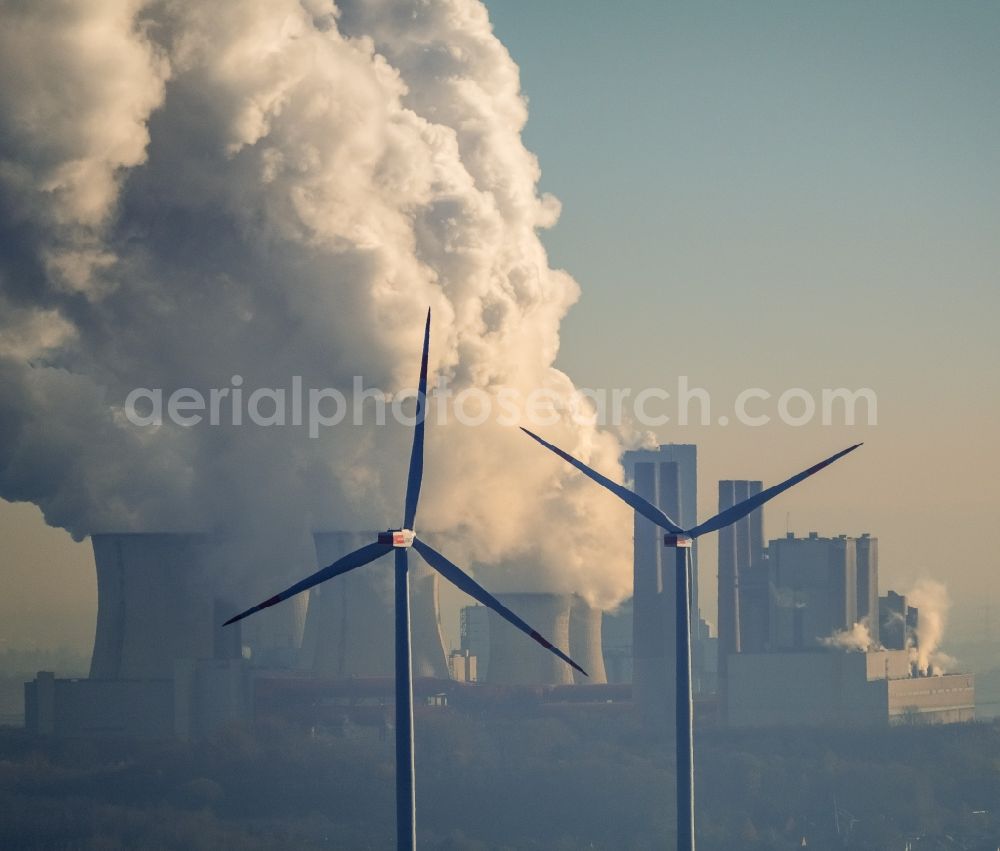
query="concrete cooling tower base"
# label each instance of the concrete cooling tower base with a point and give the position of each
(568, 621)
(349, 625)
(517, 660)
(585, 645)
(157, 603)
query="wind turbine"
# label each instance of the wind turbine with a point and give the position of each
(681, 540)
(399, 541)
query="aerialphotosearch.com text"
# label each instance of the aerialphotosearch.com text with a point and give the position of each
(316, 409)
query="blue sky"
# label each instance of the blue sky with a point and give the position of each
(747, 165)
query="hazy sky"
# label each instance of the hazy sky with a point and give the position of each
(754, 195)
(790, 195)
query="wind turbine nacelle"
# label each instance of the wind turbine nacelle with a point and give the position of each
(677, 541)
(397, 537)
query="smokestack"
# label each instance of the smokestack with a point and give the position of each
(585, 641)
(349, 627)
(156, 603)
(515, 660)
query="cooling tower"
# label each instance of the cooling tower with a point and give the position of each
(155, 604)
(349, 626)
(517, 660)
(274, 635)
(585, 641)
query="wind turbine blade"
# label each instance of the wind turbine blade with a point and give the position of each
(417, 452)
(646, 509)
(342, 565)
(742, 509)
(461, 580)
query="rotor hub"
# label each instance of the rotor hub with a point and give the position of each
(400, 538)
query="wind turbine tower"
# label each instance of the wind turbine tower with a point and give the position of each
(681, 541)
(398, 542)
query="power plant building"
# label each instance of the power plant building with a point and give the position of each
(898, 621)
(799, 591)
(741, 545)
(835, 687)
(163, 665)
(616, 642)
(517, 660)
(867, 571)
(667, 478)
(682, 508)
(474, 636)
(349, 625)
(566, 620)
(157, 601)
(755, 595)
(815, 590)
(802, 591)
(586, 642)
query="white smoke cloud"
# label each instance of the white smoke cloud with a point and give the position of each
(933, 603)
(191, 191)
(857, 638)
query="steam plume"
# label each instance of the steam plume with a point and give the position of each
(267, 188)
(933, 602)
(857, 638)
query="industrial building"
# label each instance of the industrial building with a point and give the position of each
(754, 596)
(815, 582)
(515, 661)
(200, 697)
(474, 636)
(668, 478)
(349, 624)
(898, 622)
(586, 642)
(616, 641)
(463, 666)
(866, 558)
(678, 500)
(164, 666)
(76, 708)
(790, 601)
(157, 602)
(803, 590)
(841, 688)
(566, 620)
(741, 545)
